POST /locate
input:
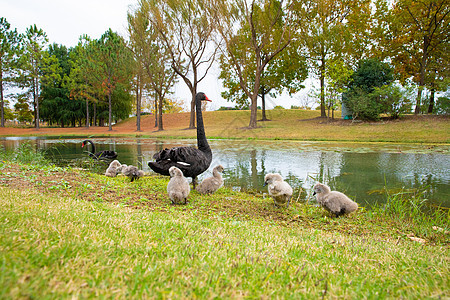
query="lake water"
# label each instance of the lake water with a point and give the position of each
(362, 171)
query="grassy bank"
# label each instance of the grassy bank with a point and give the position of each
(284, 124)
(306, 125)
(72, 233)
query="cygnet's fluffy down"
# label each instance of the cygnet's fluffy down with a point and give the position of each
(211, 184)
(334, 201)
(178, 187)
(120, 169)
(113, 169)
(132, 172)
(279, 190)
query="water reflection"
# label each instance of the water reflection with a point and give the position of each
(362, 174)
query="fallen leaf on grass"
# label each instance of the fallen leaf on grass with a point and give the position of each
(416, 239)
(440, 229)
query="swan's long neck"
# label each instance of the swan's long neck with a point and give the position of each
(92, 146)
(202, 143)
(217, 174)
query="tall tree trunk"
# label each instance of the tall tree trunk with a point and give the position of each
(322, 87)
(194, 94)
(87, 113)
(138, 104)
(109, 110)
(37, 106)
(160, 120)
(95, 115)
(253, 111)
(1, 100)
(422, 74)
(156, 112)
(192, 116)
(263, 105)
(431, 105)
(254, 96)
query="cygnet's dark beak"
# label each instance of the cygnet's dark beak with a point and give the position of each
(314, 193)
(265, 183)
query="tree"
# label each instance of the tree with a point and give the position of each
(81, 81)
(337, 77)
(442, 106)
(437, 75)
(33, 60)
(411, 33)
(22, 109)
(112, 65)
(371, 74)
(174, 106)
(327, 28)
(286, 72)
(186, 31)
(9, 41)
(264, 31)
(56, 105)
(155, 56)
(394, 101)
(138, 24)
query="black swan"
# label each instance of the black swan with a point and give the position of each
(105, 154)
(191, 161)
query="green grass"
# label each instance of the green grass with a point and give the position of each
(70, 233)
(287, 124)
(62, 247)
(25, 153)
(284, 124)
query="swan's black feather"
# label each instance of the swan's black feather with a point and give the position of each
(105, 154)
(191, 161)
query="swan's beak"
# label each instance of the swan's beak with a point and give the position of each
(314, 193)
(207, 99)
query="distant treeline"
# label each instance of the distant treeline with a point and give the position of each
(369, 58)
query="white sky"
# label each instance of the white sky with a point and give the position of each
(64, 21)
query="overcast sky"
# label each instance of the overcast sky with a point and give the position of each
(64, 21)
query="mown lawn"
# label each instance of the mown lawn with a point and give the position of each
(306, 125)
(71, 233)
(284, 124)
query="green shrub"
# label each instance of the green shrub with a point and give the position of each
(442, 106)
(25, 153)
(392, 100)
(363, 105)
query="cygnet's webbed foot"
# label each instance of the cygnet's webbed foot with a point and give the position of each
(289, 201)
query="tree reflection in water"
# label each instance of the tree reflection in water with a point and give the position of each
(364, 172)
